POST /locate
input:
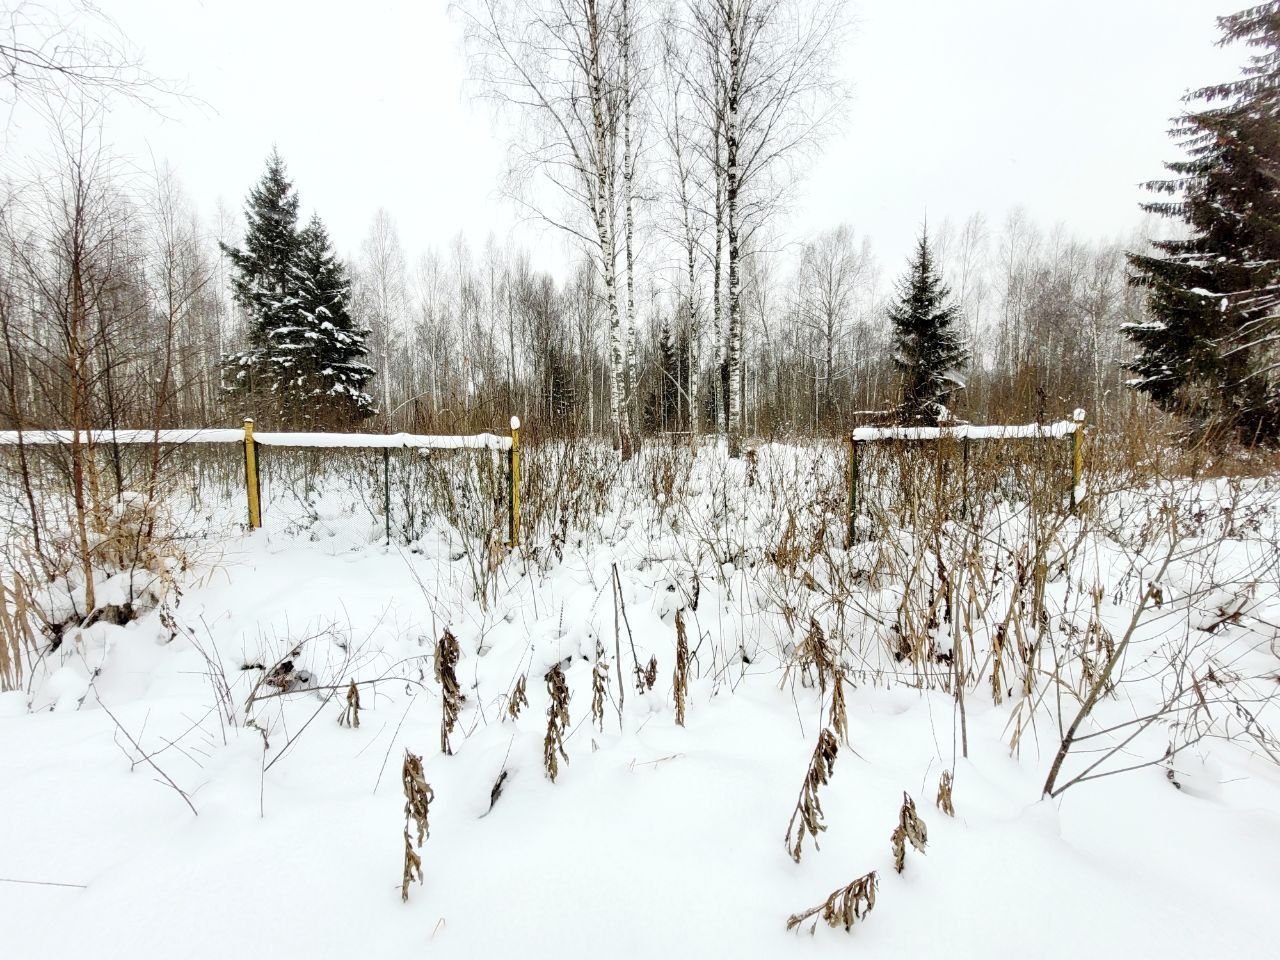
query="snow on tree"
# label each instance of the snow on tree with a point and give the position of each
(929, 347)
(1209, 348)
(330, 374)
(303, 365)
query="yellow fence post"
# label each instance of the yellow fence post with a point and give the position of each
(1077, 458)
(513, 498)
(251, 475)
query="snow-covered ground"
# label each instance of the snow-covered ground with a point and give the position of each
(657, 839)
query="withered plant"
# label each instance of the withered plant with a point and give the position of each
(814, 654)
(412, 867)
(451, 694)
(680, 679)
(807, 816)
(16, 634)
(557, 722)
(599, 683)
(650, 674)
(350, 716)
(944, 794)
(843, 906)
(517, 698)
(910, 827)
(418, 796)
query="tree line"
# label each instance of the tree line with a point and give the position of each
(663, 141)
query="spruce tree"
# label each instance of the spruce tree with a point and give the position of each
(302, 365)
(1209, 347)
(929, 349)
(328, 374)
(263, 280)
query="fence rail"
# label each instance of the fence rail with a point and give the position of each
(319, 441)
(253, 440)
(1073, 429)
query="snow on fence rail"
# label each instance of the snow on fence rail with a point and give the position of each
(1073, 429)
(319, 441)
(252, 440)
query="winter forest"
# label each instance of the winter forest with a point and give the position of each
(729, 562)
(682, 309)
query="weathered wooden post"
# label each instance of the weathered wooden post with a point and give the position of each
(1077, 459)
(251, 475)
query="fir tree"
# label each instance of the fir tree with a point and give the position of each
(929, 348)
(1209, 349)
(303, 363)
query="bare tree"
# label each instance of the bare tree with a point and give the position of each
(766, 78)
(834, 278)
(558, 63)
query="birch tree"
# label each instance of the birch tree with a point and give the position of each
(558, 64)
(767, 79)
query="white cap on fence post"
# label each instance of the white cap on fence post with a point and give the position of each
(515, 423)
(1078, 416)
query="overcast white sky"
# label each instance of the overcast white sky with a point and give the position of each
(959, 105)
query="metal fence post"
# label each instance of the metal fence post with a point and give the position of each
(251, 475)
(386, 489)
(513, 495)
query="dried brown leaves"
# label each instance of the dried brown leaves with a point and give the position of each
(807, 816)
(350, 716)
(517, 699)
(680, 679)
(843, 906)
(557, 722)
(418, 796)
(944, 794)
(910, 827)
(447, 653)
(599, 685)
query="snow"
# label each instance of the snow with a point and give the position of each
(1028, 431)
(655, 839)
(480, 441)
